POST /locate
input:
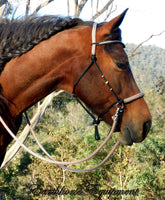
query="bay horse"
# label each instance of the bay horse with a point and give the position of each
(39, 55)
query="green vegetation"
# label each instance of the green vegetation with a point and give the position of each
(132, 173)
(148, 65)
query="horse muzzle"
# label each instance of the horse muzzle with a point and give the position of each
(132, 134)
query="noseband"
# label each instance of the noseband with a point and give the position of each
(119, 102)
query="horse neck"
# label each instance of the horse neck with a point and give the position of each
(32, 76)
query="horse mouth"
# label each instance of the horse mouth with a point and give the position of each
(130, 134)
(127, 137)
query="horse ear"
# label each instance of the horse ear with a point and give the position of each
(113, 24)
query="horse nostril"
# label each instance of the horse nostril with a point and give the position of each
(146, 128)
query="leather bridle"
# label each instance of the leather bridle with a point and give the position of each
(119, 102)
(120, 106)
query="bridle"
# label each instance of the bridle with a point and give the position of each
(119, 102)
(120, 107)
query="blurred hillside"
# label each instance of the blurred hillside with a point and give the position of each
(65, 132)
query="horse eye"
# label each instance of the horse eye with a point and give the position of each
(122, 65)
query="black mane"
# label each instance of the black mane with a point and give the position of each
(19, 36)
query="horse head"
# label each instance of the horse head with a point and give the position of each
(53, 54)
(114, 64)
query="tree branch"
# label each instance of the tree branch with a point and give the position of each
(27, 7)
(136, 53)
(2, 8)
(2, 2)
(110, 11)
(68, 7)
(102, 10)
(75, 7)
(42, 5)
(81, 6)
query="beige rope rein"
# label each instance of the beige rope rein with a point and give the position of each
(61, 164)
